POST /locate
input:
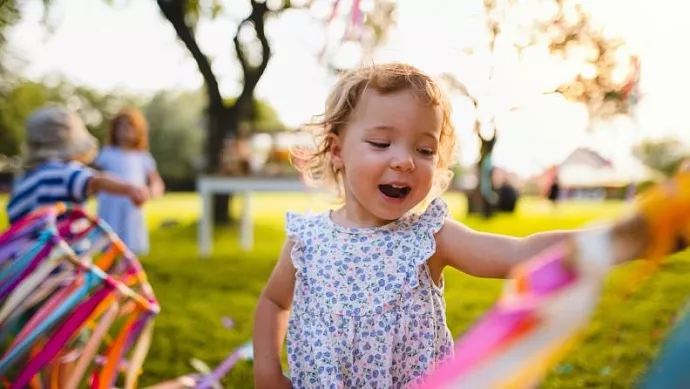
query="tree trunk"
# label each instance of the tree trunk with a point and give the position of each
(486, 208)
(223, 121)
(477, 202)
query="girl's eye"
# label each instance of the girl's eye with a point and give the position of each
(379, 145)
(427, 152)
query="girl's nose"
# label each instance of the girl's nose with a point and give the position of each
(403, 163)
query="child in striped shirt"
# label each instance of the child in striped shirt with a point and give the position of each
(59, 148)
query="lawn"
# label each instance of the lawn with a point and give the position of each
(196, 294)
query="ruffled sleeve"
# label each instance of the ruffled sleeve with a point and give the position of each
(296, 228)
(434, 216)
(426, 226)
(294, 225)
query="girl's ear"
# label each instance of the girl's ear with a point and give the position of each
(335, 150)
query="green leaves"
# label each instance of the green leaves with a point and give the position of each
(662, 155)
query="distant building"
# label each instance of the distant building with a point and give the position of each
(585, 174)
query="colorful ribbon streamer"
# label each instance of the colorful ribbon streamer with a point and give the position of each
(549, 299)
(62, 271)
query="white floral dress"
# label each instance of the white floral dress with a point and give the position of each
(366, 312)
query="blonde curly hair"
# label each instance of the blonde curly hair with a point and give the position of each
(388, 78)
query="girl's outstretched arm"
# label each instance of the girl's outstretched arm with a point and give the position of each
(489, 255)
(659, 213)
(270, 323)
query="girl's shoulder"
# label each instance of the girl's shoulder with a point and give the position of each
(109, 151)
(298, 223)
(119, 150)
(433, 217)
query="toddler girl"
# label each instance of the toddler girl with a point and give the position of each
(358, 291)
(127, 157)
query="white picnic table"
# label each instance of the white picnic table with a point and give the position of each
(207, 186)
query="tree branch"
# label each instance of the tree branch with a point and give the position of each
(458, 86)
(244, 63)
(174, 11)
(252, 75)
(265, 47)
(288, 4)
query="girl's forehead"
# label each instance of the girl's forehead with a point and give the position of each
(371, 97)
(125, 121)
(396, 109)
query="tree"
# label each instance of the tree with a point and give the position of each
(662, 155)
(602, 74)
(9, 16)
(262, 116)
(265, 118)
(23, 97)
(177, 118)
(225, 116)
(15, 106)
(253, 55)
(95, 108)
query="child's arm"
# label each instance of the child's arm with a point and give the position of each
(660, 213)
(270, 324)
(156, 184)
(488, 255)
(103, 183)
(153, 178)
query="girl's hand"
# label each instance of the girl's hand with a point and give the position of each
(156, 190)
(156, 184)
(659, 227)
(139, 195)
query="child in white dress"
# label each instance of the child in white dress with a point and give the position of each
(127, 157)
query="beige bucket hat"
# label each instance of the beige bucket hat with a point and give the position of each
(54, 132)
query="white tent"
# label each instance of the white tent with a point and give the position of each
(581, 175)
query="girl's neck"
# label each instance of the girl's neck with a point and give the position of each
(354, 215)
(125, 148)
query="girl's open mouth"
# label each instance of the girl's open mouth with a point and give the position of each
(394, 191)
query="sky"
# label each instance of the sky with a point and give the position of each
(130, 46)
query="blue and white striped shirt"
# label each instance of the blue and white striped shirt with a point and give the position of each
(49, 183)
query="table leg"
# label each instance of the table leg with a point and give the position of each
(205, 233)
(247, 228)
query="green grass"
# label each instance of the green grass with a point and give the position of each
(195, 294)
